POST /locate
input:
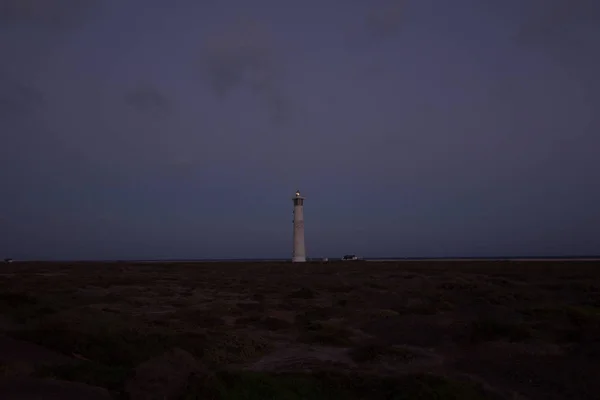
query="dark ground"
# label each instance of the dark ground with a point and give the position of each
(352, 330)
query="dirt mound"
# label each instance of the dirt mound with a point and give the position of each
(49, 389)
(413, 330)
(164, 377)
(7, 324)
(12, 350)
(539, 372)
(395, 359)
(302, 358)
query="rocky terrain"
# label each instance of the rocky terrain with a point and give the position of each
(348, 330)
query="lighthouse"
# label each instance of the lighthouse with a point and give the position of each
(299, 253)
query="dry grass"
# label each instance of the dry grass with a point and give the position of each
(494, 321)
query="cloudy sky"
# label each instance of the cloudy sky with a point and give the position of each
(182, 128)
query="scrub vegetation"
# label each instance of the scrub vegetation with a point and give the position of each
(339, 330)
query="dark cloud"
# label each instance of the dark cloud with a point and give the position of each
(29, 32)
(386, 21)
(381, 22)
(550, 21)
(18, 99)
(49, 13)
(149, 99)
(566, 33)
(244, 58)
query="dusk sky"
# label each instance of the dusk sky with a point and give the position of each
(142, 129)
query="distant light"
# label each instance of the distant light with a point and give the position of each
(297, 193)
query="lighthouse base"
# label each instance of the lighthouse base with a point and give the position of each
(299, 259)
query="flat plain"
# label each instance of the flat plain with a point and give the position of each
(340, 330)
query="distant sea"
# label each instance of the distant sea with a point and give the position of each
(179, 260)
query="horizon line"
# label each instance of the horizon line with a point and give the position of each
(455, 258)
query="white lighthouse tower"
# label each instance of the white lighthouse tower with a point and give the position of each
(299, 254)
